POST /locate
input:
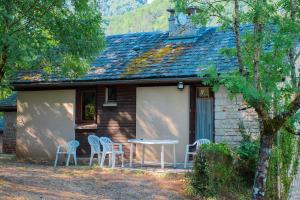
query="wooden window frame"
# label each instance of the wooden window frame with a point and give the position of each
(79, 106)
(110, 103)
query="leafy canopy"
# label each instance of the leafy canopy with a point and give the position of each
(264, 49)
(59, 37)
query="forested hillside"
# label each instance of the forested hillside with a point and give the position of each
(118, 7)
(148, 17)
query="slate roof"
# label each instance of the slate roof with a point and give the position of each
(155, 55)
(9, 102)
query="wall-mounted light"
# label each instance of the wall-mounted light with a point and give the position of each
(180, 85)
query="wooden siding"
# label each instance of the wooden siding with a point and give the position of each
(118, 123)
(192, 114)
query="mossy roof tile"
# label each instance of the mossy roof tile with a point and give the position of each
(155, 55)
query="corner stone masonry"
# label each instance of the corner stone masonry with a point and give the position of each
(9, 132)
(228, 117)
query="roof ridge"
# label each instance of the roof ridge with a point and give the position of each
(137, 33)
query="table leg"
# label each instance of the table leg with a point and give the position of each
(174, 155)
(162, 157)
(131, 152)
(143, 154)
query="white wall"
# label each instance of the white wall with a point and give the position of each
(44, 120)
(163, 113)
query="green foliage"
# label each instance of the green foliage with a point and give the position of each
(58, 37)
(277, 37)
(247, 153)
(283, 165)
(266, 72)
(149, 17)
(214, 173)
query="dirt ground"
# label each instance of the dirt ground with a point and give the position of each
(20, 180)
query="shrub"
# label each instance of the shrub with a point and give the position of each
(222, 173)
(247, 153)
(213, 169)
(282, 165)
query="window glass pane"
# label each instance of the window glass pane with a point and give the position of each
(111, 94)
(88, 106)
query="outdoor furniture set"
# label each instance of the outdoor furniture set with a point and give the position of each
(112, 150)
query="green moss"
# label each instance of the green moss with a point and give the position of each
(167, 53)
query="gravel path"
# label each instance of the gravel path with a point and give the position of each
(19, 180)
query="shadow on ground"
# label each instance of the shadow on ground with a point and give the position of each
(20, 180)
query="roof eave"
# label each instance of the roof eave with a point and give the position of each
(8, 108)
(70, 84)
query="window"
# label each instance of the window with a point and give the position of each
(88, 105)
(111, 94)
(203, 92)
(110, 97)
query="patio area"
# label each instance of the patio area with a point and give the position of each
(21, 180)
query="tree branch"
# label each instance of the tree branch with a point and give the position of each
(30, 8)
(294, 106)
(3, 61)
(236, 29)
(30, 20)
(291, 53)
(258, 28)
(5, 44)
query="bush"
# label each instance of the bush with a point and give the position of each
(247, 159)
(282, 165)
(213, 169)
(223, 173)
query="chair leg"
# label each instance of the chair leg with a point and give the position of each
(102, 159)
(113, 160)
(109, 159)
(56, 159)
(122, 160)
(185, 159)
(75, 159)
(68, 160)
(99, 159)
(91, 159)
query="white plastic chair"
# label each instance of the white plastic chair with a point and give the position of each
(71, 150)
(108, 149)
(94, 142)
(197, 144)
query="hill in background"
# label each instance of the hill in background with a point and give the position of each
(118, 7)
(144, 18)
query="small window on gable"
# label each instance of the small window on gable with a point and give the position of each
(110, 97)
(88, 105)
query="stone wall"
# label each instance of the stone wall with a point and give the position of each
(228, 116)
(9, 132)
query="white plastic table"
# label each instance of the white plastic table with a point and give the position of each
(144, 142)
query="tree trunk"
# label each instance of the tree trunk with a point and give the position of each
(291, 54)
(266, 144)
(237, 32)
(3, 61)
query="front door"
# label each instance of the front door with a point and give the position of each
(204, 113)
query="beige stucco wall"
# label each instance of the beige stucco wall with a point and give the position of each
(162, 113)
(44, 120)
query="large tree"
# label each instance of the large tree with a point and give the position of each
(53, 36)
(267, 55)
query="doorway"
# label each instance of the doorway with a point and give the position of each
(204, 114)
